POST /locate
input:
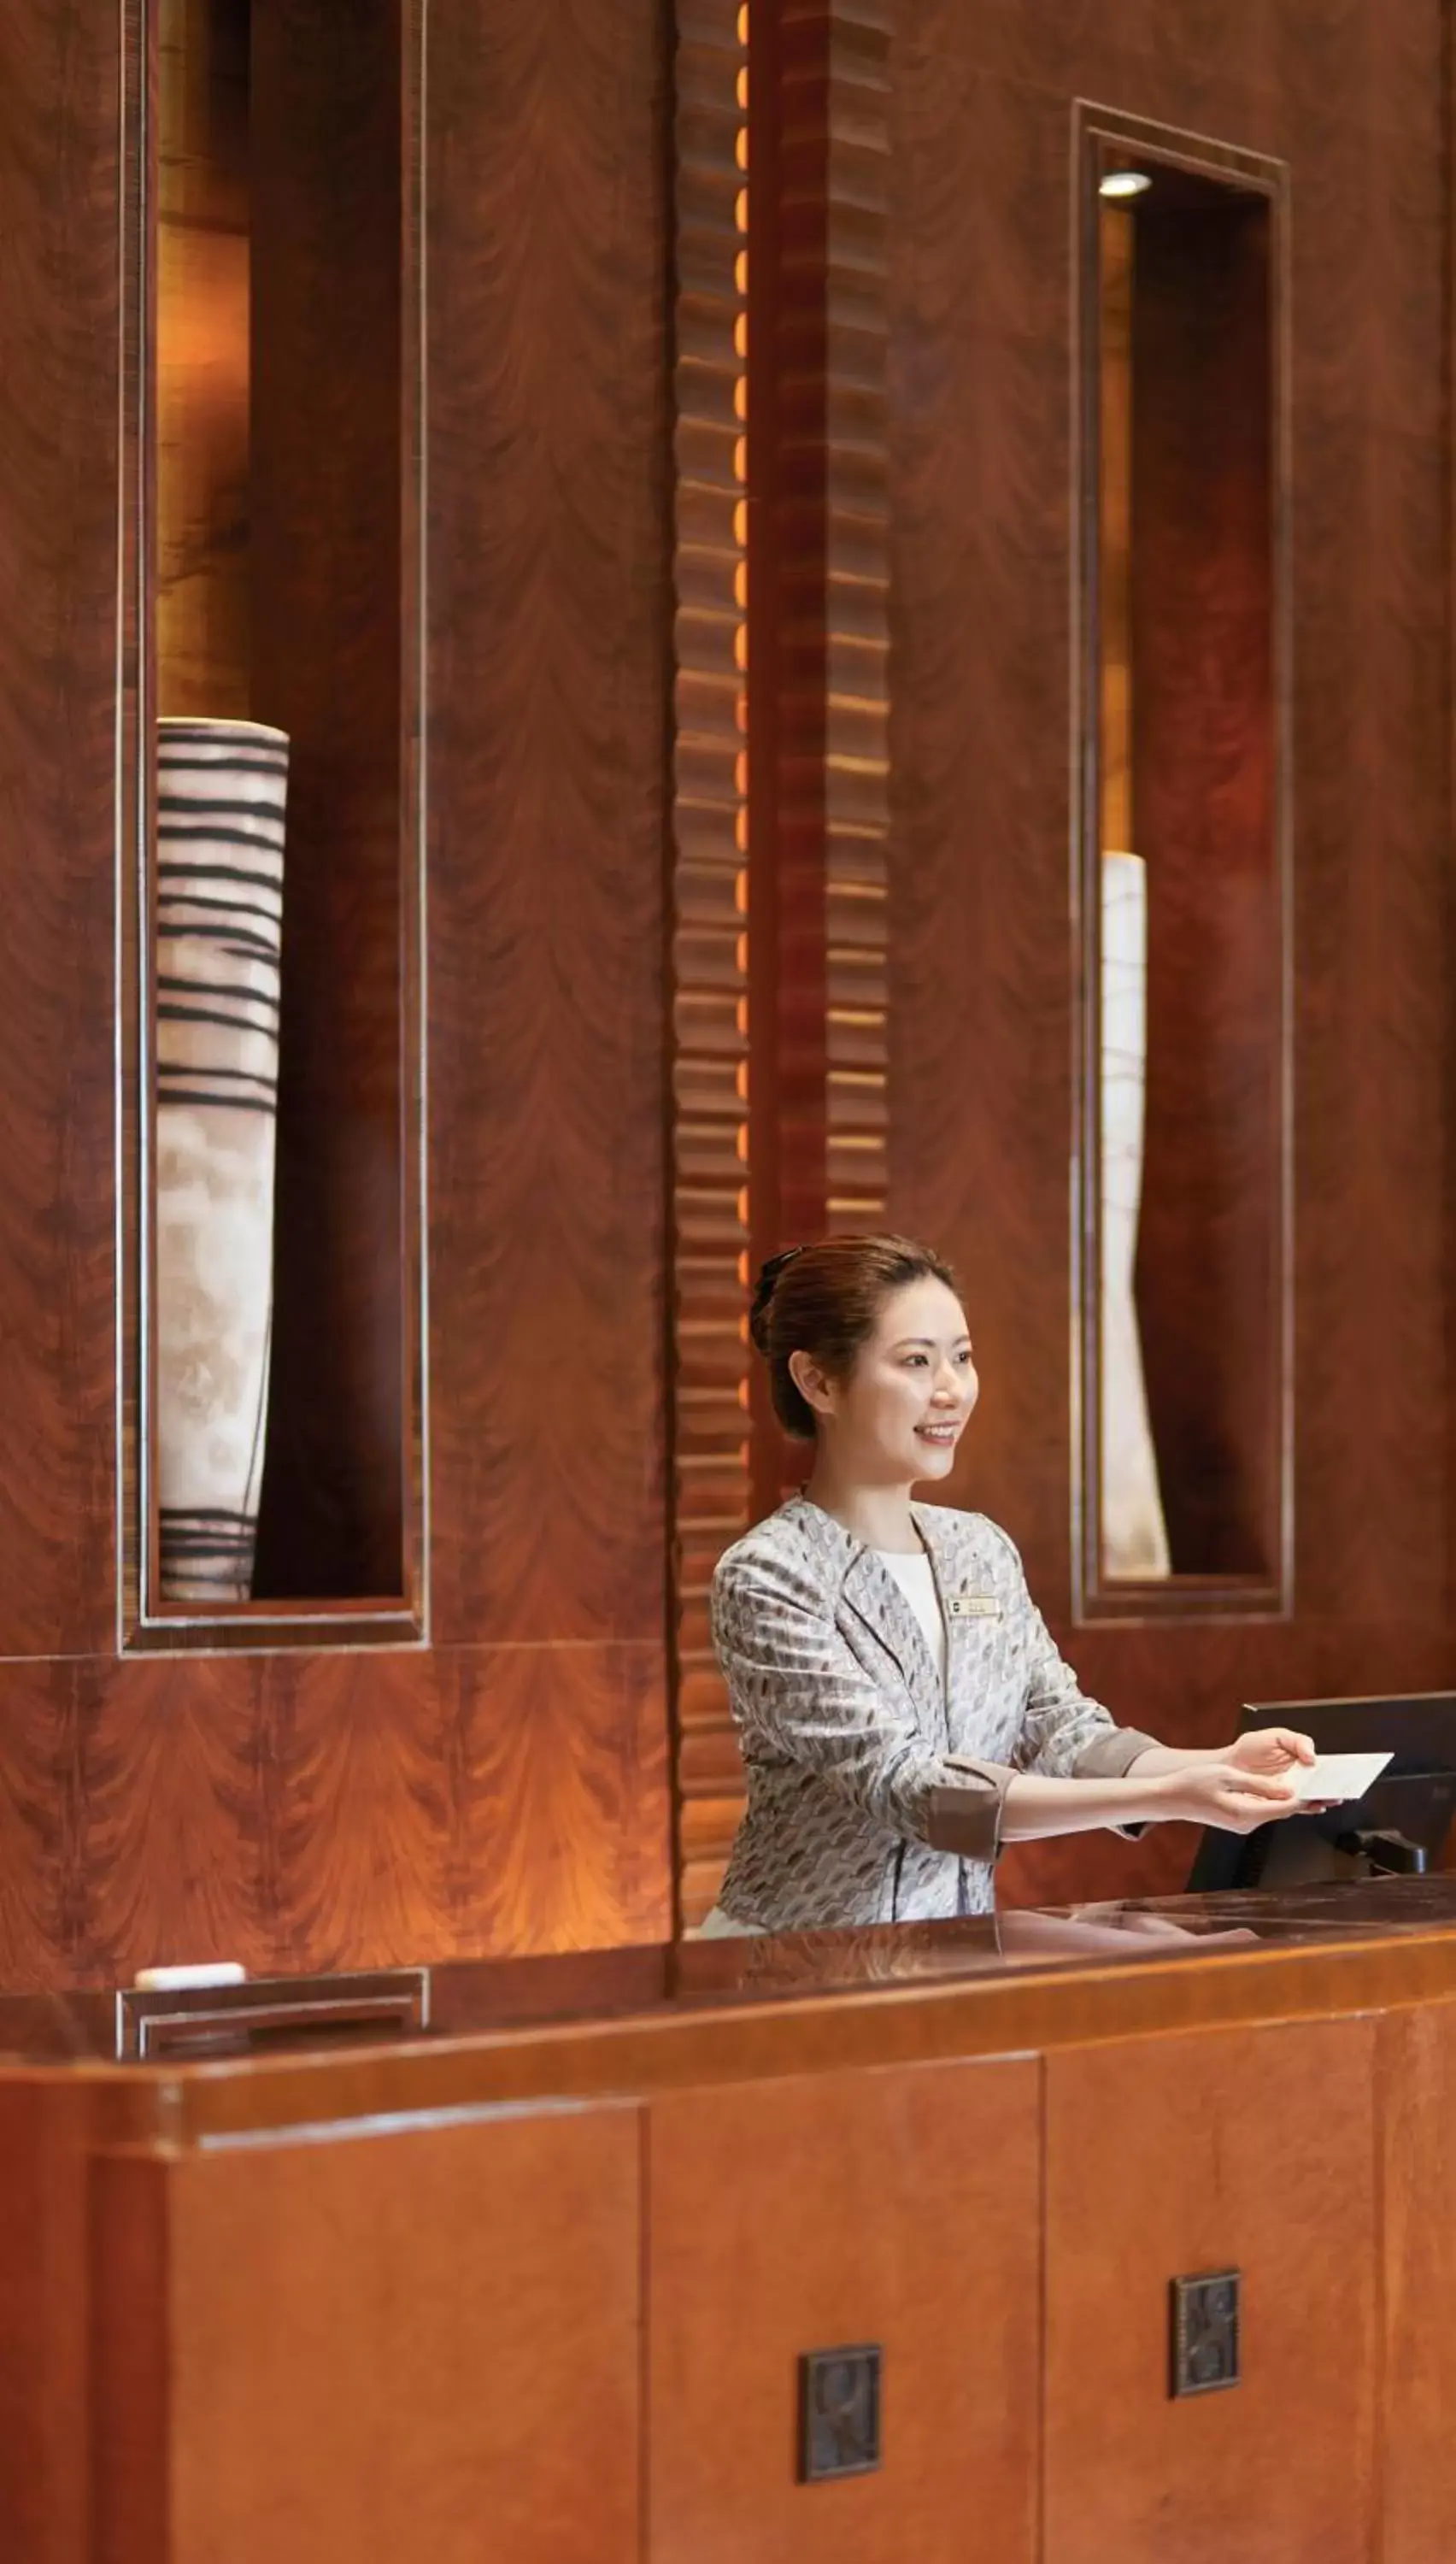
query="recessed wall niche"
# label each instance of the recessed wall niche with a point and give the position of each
(1182, 877)
(276, 1291)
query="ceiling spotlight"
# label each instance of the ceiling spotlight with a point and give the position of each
(1124, 182)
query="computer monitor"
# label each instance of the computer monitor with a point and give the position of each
(1399, 1826)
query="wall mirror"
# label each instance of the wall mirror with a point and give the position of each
(1183, 888)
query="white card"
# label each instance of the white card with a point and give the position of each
(1337, 1777)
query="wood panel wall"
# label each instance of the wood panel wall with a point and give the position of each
(982, 958)
(504, 1787)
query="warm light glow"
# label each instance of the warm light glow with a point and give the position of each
(740, 585)
(1119, 183)
(741, 776)
(740, 1081)
(740, 461)
(743, 89)
(740, 522)
(741, 273)
(740, 209)
(744, 26)
(741, 955)
(741, 903)
(741, 398)
(740, 649)
(740, 146)
(741, 334)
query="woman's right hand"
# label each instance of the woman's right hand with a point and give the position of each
(1219, 1794)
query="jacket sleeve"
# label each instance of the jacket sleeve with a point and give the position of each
(798, 1692)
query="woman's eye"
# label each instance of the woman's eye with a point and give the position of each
(915, 1361)
(964, 1359)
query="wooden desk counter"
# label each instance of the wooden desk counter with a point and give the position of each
(537, 2284)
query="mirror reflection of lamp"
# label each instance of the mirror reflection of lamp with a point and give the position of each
(1133, 1532)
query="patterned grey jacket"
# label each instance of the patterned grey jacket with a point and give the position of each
(874, 1793)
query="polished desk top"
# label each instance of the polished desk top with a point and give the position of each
(1065, 1961)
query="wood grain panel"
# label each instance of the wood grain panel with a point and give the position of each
(1419, 2339)
(566, 1793)
(42, 1854)
(335, 639)
(549, 560)
(981, 986)
(60, 85)
(1251, 2149)
(44, 2130)
(979, 1017)
(406, 2344)
(926, 2240)
(355, 1808)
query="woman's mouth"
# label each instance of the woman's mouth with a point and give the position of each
(942, 1435)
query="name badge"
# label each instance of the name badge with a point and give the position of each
(975, 1606)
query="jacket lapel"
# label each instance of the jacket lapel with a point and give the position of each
(870, 1592)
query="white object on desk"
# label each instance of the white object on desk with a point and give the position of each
(1338, 1778)
(176, 1981)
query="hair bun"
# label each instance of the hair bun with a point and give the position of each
(763, 1291)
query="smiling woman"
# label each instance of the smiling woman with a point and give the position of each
(902, 1708)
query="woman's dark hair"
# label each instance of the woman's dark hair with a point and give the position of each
(825, 1300)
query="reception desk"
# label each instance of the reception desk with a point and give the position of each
(530, 2261)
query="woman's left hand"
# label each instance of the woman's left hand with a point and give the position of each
(1269, 1749)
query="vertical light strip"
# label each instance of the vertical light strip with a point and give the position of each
(857, 622)
(710, 923)
(834, 568)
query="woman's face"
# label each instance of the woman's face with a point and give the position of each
(902, 1411)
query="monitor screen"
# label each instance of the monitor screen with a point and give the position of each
(1399, 1826)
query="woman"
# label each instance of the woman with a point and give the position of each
(902, 1708)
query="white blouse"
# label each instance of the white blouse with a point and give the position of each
(916, 1578)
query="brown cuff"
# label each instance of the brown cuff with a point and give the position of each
(1110, 1756)
(968, 1821)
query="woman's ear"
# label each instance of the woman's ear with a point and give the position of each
(812, 1382)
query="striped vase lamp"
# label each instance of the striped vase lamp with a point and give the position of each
(221, 792)
(1134, 1533)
